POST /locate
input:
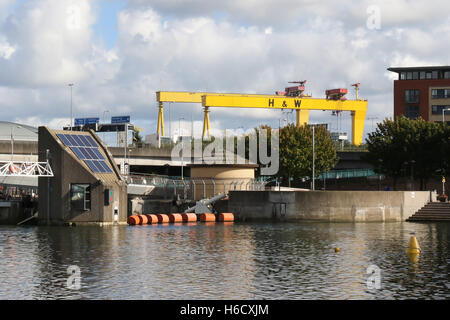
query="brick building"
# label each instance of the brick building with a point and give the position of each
(422, 92)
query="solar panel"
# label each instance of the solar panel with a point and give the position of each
(63, 138)
(91, 141)
(71, 140)
(78, 152)
(85, 140)
(78, 140)
(105, 166)
(85, 153)
(99, 155)
(85, 148)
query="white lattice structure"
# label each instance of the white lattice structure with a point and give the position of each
(25, 169)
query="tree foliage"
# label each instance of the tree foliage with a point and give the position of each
(404, 147)
(296, 151)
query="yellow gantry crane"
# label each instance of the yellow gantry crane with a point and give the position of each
(302, 104)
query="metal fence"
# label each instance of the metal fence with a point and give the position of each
(195, 189)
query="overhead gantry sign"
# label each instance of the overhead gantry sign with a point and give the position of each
(302, 105)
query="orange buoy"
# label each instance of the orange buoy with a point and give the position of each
(142, 219)
(189, 217)
(163, 218)
(133, 220)
(175, 217)
(207, 217)
(225, 217)
(152, 218)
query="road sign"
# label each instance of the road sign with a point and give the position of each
(120, 119)
(83, 121)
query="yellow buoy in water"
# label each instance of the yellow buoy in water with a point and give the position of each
(413, 246)
(337, 249)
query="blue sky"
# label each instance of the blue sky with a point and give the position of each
(106, 27)
(119, 53)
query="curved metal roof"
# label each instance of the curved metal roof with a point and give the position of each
(19, 131)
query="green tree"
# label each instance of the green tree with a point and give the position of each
(296, 151)
(409, 147)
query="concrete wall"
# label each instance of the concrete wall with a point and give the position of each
(332, 206)
(11, 212)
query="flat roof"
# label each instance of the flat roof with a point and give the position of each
(430, 68)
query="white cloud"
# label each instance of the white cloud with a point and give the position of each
(6, 50)
(47, 51)
(222, 46)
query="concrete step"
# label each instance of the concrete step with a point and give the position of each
(430, 216)
(433, 211)
(427, 219)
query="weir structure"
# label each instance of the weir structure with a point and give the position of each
(301, 103)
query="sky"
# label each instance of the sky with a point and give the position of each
(118, 53)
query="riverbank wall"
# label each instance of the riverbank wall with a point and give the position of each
(331, 206)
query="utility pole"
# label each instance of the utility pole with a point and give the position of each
(70, 85)
(104, 121)
(125, 150)
(372, 118)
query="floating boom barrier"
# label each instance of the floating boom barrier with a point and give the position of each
(161, 218)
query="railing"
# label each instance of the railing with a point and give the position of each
(345, 174)
(195, 189)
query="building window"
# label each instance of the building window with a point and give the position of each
(447, 74)
(436, 109)
(422, 75)
(80, 196)
(402, 75)
(415, 75)
(435, 74)
(411, 96)
(412, 112)
(429, 75)
(440, 93)
(409, 76)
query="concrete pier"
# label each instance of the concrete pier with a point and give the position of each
(331, 206)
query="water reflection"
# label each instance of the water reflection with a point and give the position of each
(225, 261)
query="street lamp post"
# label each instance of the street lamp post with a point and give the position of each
(12, 141)
(182, 147)
(104, 121)
(70, 85)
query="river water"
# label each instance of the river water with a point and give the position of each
(225, 261)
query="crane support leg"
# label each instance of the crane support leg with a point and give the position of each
(160, 120)
(206, 125)
(358, 118)
(302, 117)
